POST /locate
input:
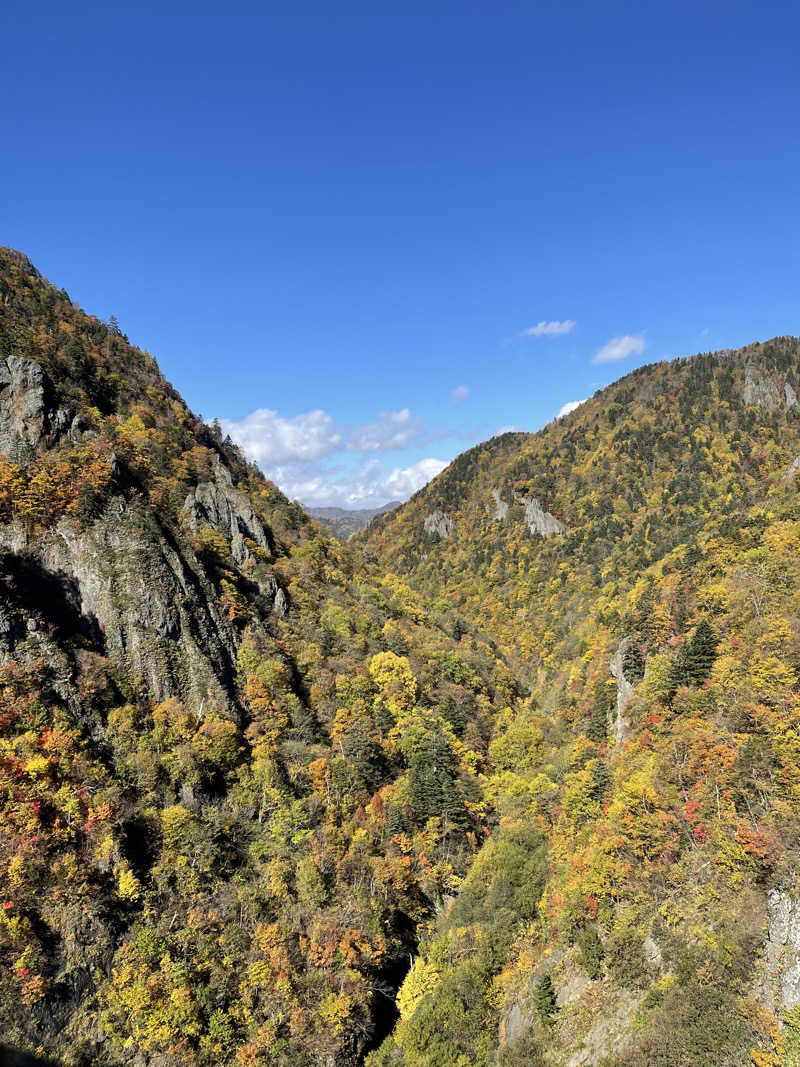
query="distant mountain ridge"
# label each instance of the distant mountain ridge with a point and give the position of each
(347, 521)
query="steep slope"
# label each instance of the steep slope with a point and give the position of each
(235, 772)
(637, 563)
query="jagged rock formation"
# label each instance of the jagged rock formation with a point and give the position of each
(624, 689)
(760, 390)
(538, 520)
(500, 506)
(219, 505)
(782, 952)
(438, 524)
(139, 585)
(150, 598)
(24, 419)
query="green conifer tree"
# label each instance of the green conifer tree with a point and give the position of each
(701, 653)
(544, 998)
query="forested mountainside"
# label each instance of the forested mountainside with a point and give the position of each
(236, 771)
(638, 564)
(535, 732)
(346, 521)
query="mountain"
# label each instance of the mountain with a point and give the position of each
(510, 778)
(636, 563)
(237, 770)
(346, 521)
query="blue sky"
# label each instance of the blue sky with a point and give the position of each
(337, 229)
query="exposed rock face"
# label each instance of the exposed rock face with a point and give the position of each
(438, 524)
(792, 469)
(281, 605)
(759, 390)
(782, 952)
(147, 596)
(790, 395)
(538, 520)
(228, 511)
(500, 508)
(135, 587)
(24, 416)
(652, 951)
(609, 1033)
(515, 1025)
(624, 690)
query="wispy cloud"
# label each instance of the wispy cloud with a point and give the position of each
(569, 406)
(460, 393)
(549, 329)
(391, 429)
(630, 344)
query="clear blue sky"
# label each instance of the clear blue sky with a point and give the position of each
(346, 212)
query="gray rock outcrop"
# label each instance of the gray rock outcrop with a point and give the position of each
(500, 506)
(24, 415)
(790, 396)
(227, 510)
(759, 390)
(281, 605)
(515, 1025)
(782, 950)
(438, 524)
(146, 594)
(624, 690)
(538, 520)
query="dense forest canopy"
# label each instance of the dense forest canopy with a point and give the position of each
(510, 778)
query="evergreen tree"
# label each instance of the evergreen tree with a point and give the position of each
(592, 953)
(678, 671)
(544, 998)
(633, 664)
(597, 726)
(701, 653)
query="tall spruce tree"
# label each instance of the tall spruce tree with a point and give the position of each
(701, 653)
(544, 998)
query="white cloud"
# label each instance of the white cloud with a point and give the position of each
(620, 348)
(461, 392)
(266, 437)
(369, 485)
(404, 482)
(549, 329)
(392, 429)
(569, 406)
(306, 456)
